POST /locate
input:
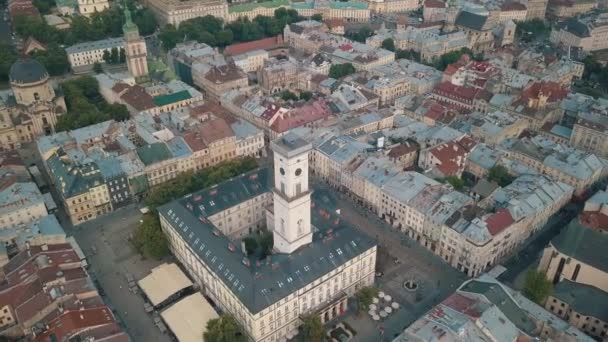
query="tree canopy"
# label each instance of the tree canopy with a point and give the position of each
(8, 56)
(537, 287)
(287, 96)
(453, 57)
(188, 182)
(455, 181)
(149, 238)
(340, 70)
(365, 297)
(388, 44)
(312, 328)
(500, 175)
(224, 329)
(86, 106)
(361, 35)
(214, 32)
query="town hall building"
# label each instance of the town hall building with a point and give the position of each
(317, 262)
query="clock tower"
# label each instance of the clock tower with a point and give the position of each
(292, 228)
(135, 48)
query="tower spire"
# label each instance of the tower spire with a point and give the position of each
(129, 24)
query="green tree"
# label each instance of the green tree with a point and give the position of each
(54, 59)
(149, 238)
(8, 56)
(44, 6)
(500, 175)
(340, 70)
(388, 44)
(107, 57)
(224, 38)
(251, 245)
(455, 181)
(169, 37)
(286, 95)
(312, 328)
(361, 35)
(365, 297)
(114, 56)
(317, 17)
(266, 243)
(97, 68)
(122, 57)
(224, 329)
(537, 287)
(305, 95)
(145, 21)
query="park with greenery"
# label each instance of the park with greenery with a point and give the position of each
(99, 26)
(86, 106)
(214, 32)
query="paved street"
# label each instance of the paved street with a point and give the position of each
(436, 280)
(112, 259)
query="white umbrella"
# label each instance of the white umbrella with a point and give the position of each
(383, 314)
(375, 317)
(395, 305)
(372, 306)
(375, 300)
(371, 312)
(381, 294)
(388, 298)
(388, 309)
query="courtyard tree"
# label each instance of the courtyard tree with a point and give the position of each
(251, 245)
(149, 238)
(455, 181)
(286, 95)
(266, 243)
(224, 329)
(365, 297)
(537, 287)
(388, 44)
(312, 328)
(500, 175)
(341, 70)
(317, 17)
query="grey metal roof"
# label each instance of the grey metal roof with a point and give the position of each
(471, 20)
(261, 283)
(27, 71)
(583, 244)
(585, 299)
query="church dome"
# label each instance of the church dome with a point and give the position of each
(27, 71)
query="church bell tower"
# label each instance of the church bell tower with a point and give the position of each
(292, 228)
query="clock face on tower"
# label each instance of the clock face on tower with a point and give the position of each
(298, 172)
(282, 171)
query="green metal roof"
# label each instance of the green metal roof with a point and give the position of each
(163, 100)
(251, 6)
(583, 244)
(585, 299)
(73, 179)
(153, 153)
(347, 4)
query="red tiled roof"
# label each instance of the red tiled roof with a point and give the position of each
(301, 116)
(334, 22)
(263, 44)
(467, 143)
(403, 149)
(194, 141)
(119, 87)
(214, 130)
(434, 4)
(463, 305)
(499, 221)
(452, 91)
(138, 98)
(553, 90)
(594, 220)
(451, 156)
(72, 322)
(513, 6)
